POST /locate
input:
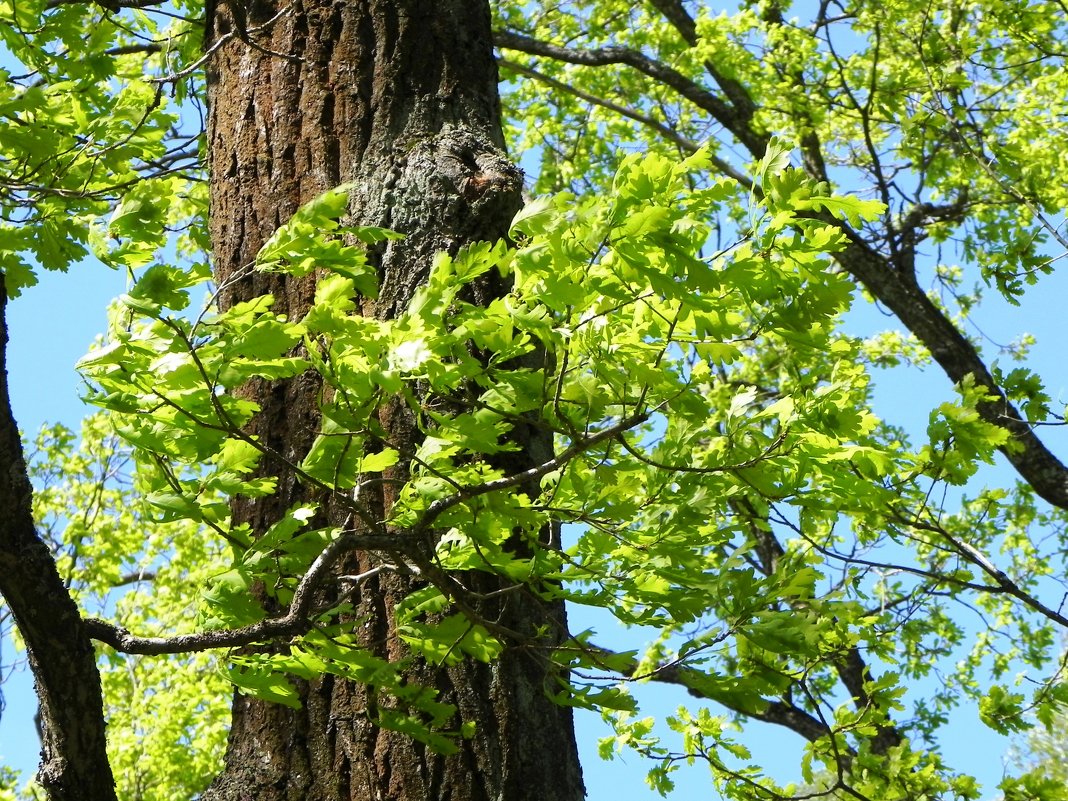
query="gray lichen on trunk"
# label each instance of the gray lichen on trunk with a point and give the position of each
(446, 190)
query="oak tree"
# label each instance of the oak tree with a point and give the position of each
(416, 417)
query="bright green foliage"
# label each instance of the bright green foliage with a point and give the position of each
(954, 116)
(645, 350)
(166, 715)
(894, 97)
(1043, 754)
(666, 442)
(8, 784)
(83, 135)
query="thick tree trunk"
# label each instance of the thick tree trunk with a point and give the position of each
(398, 97)
(74, 763)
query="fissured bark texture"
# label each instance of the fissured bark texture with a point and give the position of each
(398, 97)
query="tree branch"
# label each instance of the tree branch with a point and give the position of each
(127, 579)
(673, 136)
(688, 145)
(719, 109)
(675, 13)
(781, 713)
(850, 666)
(899, 292)
(1003, 582)
(296, 621)
(434, 510)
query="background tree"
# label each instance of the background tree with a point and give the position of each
(1041, 753)
(657, 361)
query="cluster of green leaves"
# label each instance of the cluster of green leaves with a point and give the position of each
(896, 101)
(643, 354)
(647, 357)
(166, 715)
(84, 136)
(729, 489)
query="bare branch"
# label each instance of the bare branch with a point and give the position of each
(899, 291)
(134, 578)
(719, 109)
(1004, 583)
(218, 43)
(685, 144)
(675, 13)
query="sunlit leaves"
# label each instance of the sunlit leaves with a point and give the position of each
(451, 639)
(164, 285)
(645, 354)
(1002, 711)
(91, 151)
(121, 563)
(687, 305)
(634, 314)
(960, 438)
(300, 246)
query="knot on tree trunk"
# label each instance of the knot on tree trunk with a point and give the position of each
(442, 191)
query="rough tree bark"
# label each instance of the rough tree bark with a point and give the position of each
(398, 97)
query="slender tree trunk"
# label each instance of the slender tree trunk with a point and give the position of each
(398, 97)
(74, 763)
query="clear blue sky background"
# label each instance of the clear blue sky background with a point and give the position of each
(52, 325)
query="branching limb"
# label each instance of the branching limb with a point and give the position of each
(675, 13)
(781, 713)
(298, 618)
(683, 143)
(1002, 581)
(222, 40)
(435, 509)
(714, 105)
(296, 621)
(74, 761)
(900, 293)
(850, 665)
